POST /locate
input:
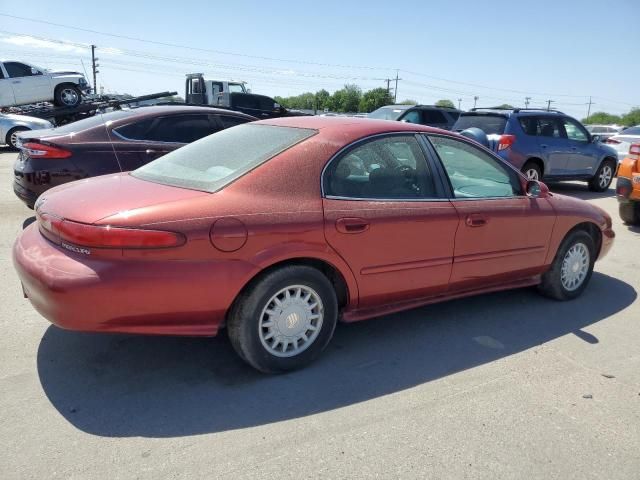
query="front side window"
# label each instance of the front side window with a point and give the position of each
(16, 69)
(548, 127)
(215, 161)
(474, 173)
(412, 117)
(389, 168)
(575, 131)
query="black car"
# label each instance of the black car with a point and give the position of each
(431, 115)
(112, 142)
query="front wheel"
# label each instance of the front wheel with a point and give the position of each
(603, 177)
(67, 96)
(571, 268)
(630, 212)
(532, 171)
(284, 320)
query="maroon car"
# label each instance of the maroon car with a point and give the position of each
(113, 142)
(281, 227)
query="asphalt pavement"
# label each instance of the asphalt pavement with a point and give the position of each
(506, 385)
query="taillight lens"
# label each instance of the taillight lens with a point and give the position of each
(41, 150)
(506, 141)
(96, 236)
(634, 151)
(612, 141)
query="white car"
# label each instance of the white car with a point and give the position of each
(22, 83)
(11, 125)
(604, 131)
(623, 140)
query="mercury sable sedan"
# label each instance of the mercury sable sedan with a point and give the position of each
(279, 228)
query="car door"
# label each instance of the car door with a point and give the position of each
(553, 144)
(29, 84)
(387, 218)
(142, 141)
(582, 159)
(6, 90)
(503, 234)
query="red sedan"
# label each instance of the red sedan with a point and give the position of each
(279, 228)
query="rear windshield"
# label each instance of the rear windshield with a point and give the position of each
(630, 131)
(94, 121)
(215, 161)
(387, 113)
(489, 124)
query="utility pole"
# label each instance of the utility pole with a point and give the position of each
(459, 102)
(549, 102)
(475, 101)
(526, 102)
(388, 80)
(589, 108)
(95, 68)
(395, 92)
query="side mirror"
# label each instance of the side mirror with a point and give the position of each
(596, 138)
(536, 189)
(35, 71)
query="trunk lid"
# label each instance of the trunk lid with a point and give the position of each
(90, 200)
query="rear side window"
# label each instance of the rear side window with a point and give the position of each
(215, 161)
(173, 129)
(228, 121)
(541, 126)
(489, 124)
(433, 117)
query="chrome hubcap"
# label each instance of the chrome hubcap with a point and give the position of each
(14, 139)
(605, 176)
(575, 266)
(69, 96)
(291, 321)
(532, 174)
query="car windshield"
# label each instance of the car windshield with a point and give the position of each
(387, 113)
(489, 124)
(213, 162)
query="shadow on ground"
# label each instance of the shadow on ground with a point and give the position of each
(580, 190)
(121, 385)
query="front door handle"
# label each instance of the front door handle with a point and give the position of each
(476, 220)
(352, 225)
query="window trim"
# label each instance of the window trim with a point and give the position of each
(579, 126)
(443, 172)
(347, 148)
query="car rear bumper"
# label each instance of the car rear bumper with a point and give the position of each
(164, 297)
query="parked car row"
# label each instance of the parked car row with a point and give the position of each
(277, 229)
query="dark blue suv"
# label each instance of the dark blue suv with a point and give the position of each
(545, 144)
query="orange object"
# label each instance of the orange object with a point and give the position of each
(628, 186)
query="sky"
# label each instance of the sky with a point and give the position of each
(500, 51)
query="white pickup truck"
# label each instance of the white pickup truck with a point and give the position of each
(22, 83)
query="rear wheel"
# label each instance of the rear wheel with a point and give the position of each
(571, 269)
(532, 171)
(630, 212)
(603, 177)
(12, 136)
(284, 320)
(67, 96)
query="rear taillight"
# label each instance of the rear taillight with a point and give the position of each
(612, 141)
(95, 236)
(506, 141)
(41, 150)
(634, 151)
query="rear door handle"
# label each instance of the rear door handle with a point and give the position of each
(476, 220)
(352, 225)
(543, 146)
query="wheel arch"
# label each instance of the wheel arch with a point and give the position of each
(591, 229)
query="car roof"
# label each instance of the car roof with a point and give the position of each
(153, 110)
(348, 129)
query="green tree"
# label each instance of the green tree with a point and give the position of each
(408, 101)
(632, 118)
(373, 99)
(322, 99)
(602, 118)
(506, 106)
(445, 104)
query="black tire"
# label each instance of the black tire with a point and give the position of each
(64, 96)
(552, 285)
(10, 139)
(531, 166)
(599, 182)
(630, 212)
(244, 322)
